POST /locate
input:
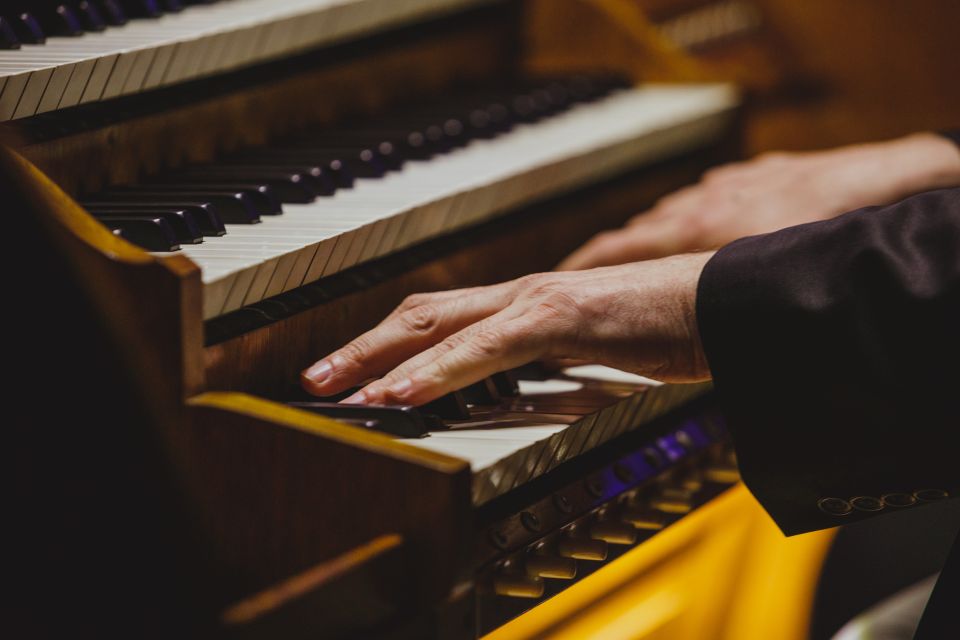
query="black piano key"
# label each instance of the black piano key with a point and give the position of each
(287, 186)
(111, 12)
(484, 123)
(153, 234)
(405, 422)
(387, 150)
(446, 130)
(436, 138)
(233, 207)
(340, 172)
(171, 6)
(532, 371)
(204, 214)
(482, 393)
(142, 8)
(449, 407)
(90, 16)
(27, 28)
(259, 197)
(318, 177)
(362, 162)
(525, 108)
(60, 19)
(410, 143)
(8, 37)
(181, 222)
(381, 156)
(262, 196)
(506, 384)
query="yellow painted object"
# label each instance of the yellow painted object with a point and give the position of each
(723, 572)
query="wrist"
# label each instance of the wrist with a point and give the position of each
(690, 343)
(923, 162)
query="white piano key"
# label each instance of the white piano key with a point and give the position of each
(212, 60)
(325, 249)
(299, 271)
(608, 374)
(55, 88)
(113, 87)
(261, 280)
(138, 70)
(33, 92)
(98, 78)
(158, 68)
(10, 97)
(77, 83)
(239, 288)
(547, 387)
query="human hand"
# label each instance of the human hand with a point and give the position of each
(637, 317)
(774, 191)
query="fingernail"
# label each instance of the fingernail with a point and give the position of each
(319, 372)
(400, 389)
(358, 398)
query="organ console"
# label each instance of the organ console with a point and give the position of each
(220, 192)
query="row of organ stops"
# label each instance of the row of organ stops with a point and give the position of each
(33, 21)
(193, 204)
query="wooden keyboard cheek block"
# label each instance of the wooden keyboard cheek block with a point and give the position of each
(323, 485)
(274, 490)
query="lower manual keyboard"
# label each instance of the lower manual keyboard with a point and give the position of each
(511, 439)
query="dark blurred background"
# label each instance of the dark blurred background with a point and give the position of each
(819, 72)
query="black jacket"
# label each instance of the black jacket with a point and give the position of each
(835, 349)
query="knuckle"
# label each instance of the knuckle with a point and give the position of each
(449, 344)
(607, 239)
(413, 301)
(700, 224)
(355, 353)
(420, 319)
(488, 344)
(532, 280)
(718, 174)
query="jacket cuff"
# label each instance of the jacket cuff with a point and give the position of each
(952, 136)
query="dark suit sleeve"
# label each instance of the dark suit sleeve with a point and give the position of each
(953, 136)
(835, 350)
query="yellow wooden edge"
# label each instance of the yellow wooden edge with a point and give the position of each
(302, 584)
(293, 418)
(673, 62)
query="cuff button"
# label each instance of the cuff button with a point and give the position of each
(898, 499)
(834, 506)
(866, 503)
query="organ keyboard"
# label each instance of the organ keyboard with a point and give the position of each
(171, 47)
(230, 231)
(386, 212)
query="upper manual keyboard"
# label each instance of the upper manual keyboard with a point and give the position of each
(268, 220)
(57, 54)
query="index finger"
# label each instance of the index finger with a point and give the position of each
(497, 347)
(401, 335)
